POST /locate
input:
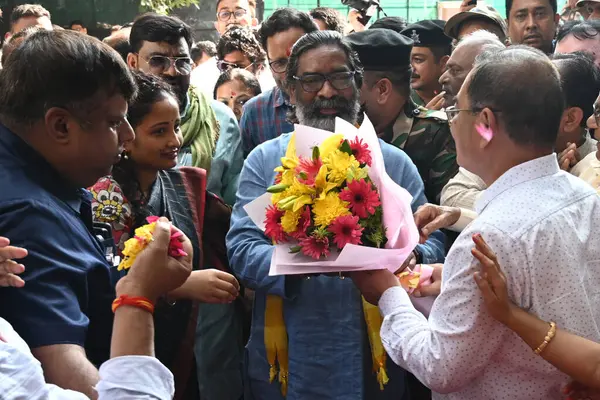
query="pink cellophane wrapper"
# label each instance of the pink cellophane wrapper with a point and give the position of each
(401, 230)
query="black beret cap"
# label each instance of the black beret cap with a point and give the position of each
(397, 24)
(381, 49)
(428, 33)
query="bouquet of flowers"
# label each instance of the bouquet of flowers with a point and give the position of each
(326, 201)
(332, 207)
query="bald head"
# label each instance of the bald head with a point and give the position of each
(462, 59)
(528, 104)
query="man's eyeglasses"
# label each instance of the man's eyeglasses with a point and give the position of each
(225, 66)
(279, 66)
(225, 15)
(452, 111)
(315, 82)
(160, 64)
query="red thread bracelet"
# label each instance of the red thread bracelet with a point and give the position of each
(139, 302)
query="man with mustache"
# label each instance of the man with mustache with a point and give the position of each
(428, 58)
(532, 23)
(385, 94)
(327, 349)
(461, 62)
(160, 45)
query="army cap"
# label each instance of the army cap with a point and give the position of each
(481, 12)
(381, 49)
(582, 3)
(428, 33)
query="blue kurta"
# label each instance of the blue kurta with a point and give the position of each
(328, 344)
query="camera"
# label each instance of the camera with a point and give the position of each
(366, 8)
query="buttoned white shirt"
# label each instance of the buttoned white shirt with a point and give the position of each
(544, 226)
(128, 377)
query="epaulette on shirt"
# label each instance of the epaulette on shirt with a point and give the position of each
(425, 113)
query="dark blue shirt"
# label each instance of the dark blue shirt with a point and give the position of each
(69, 289)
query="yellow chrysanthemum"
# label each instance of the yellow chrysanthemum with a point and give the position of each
(329, 208)
(295, 191)
(289, 221)
(134, 246)
(339, 163)
(329, 145)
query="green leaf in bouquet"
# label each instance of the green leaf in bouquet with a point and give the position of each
(316, 153)
(377, 237)
(280, 187)
(345, 147)
(295, 249)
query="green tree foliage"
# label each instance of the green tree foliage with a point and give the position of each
(165, 6)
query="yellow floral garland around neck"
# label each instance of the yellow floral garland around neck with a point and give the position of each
(276, 341)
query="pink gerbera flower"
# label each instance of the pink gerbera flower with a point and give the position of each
(307, 170)
(362, 198)
(303, 223)
(315, 247)
(346, 229)
(273, 227)
(361, 151)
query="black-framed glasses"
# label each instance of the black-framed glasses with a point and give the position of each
(452, 111)
(279, 66)
(315, 82)
(160, 64)
(225, 66)
(225, 15)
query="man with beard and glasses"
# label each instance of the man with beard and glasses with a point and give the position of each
(266, 116)
(160, 45)
(385, 94)
(532, 23)
(327, 347)
(430, 52)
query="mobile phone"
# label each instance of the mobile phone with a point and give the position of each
(472, 3)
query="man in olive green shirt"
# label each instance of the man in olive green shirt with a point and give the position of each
(423, 134)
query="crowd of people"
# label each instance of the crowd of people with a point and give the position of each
(489, 123)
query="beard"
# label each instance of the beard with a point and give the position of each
(346, 109)
(180, 85)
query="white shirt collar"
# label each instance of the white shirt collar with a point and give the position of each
(527, 171)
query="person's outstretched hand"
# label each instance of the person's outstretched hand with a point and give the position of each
(9, 269)
(154, 272)
(430, 217)
(491, 281)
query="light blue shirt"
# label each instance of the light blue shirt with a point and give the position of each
(228, 159)
(323, 315)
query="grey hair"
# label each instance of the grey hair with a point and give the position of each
(483, 38)
(523, 87)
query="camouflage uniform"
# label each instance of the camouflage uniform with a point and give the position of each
(416, 98)
(425, 136)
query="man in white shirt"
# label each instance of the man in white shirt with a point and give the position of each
(543, 224)
(581, 83)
